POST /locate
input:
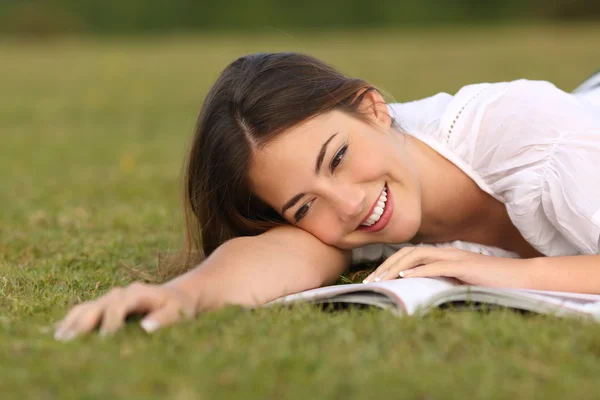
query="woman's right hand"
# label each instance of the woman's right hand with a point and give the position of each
(163, 305)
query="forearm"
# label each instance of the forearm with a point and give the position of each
(579, 274)
(247, 271)
(254, 270)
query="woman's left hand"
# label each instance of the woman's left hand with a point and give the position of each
(467, 267)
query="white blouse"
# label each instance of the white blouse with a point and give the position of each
(528, 144)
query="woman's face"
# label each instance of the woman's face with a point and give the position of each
(332, 174)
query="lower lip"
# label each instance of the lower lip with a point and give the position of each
(385, 217)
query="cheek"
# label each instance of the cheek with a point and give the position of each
(373, 161)
(327, 229)
(367, 170)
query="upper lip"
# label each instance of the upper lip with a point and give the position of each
(372, 207)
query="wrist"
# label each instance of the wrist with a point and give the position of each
(522, 272)
(533, 269)
(193, 288)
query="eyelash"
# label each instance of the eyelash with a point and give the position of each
(338, 158)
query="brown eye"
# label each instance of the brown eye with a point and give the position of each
(337, 159)
(302, 211)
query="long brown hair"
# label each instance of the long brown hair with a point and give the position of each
(256, 98)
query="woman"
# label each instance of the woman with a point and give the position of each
(297, 171)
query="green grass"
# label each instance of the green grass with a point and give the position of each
(93, 134)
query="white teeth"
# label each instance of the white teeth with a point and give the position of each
(378, 210)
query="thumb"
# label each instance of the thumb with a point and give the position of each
(164, 316)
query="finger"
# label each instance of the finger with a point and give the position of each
(71, 316)
(166, 315)
(421, 256)
(82, 319)
(382, 271)
(135, 298)
(450, 269)
(114, 311)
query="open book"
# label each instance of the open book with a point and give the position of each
(419, 295)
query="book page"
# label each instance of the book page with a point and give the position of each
(587, 303)
(538, 301)
(407, 294)
(574, 297)
(415, 292)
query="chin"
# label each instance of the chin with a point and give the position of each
(347, 246)
(407, 230)
(360, 239)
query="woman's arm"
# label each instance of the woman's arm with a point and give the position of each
(256, 269)
(248, 271)
(580, 274)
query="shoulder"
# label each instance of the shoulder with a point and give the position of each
(472, 127)
(493, 112)
(477, 111)
(537, 148)
(505, 128)
(503, 134)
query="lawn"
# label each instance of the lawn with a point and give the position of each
(93, 133)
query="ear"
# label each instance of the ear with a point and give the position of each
(373, 105)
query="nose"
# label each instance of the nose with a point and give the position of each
(348, 200)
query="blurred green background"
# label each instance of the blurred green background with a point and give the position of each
(45, 17)
(97, 106)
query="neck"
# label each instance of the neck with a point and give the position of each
(451, 203)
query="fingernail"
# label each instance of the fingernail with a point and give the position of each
(58, 334)
(64, 336)
(150, 325)
(103, 332)
(404, 273)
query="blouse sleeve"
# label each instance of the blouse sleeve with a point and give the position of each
(571, 191)
(539, 147)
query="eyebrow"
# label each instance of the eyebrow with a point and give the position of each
(321, 156)
(291, 202)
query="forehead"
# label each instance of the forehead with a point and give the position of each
(286, 164)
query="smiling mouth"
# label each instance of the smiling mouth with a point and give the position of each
(379, 214)
(377, 209)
